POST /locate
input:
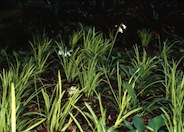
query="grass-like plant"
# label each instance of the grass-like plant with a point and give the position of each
(147, 80)
(165, 55)
(57, 109)
(166, 49)
(75, 39)
(174, 85)
(97, 124)
(8, 110)
(130, 86)
(92, 45)
(90, 77)
(41, 50)
(95, 42)
(13, 109)
(70, 64)
(146, 37)
(124, 97)
(16, 93)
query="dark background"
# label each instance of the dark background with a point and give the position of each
(20, 19)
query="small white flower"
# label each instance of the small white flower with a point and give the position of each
(60, 52)
(68, 53)
(65, 54)
(72, 90)
(121, 27)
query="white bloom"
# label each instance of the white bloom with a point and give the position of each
(60, 52)
(65, 54)
(121, 27)
(72, 90)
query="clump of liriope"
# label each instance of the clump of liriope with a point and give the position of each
(174, 86)
(95, 43)
(70, 61)
(165, 56)
(97, 124)
(82, 48)
(146, 37)
(16, 93)
(147, 81)
(57, 109)
(90, 77)
(41, 50)
(125, 97)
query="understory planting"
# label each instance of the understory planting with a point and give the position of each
(87, 84)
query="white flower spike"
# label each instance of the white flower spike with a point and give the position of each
(65, 54)
(121, 27)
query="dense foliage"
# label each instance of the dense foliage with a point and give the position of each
(97, 66)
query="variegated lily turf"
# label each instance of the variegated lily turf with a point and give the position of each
(86, 84)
